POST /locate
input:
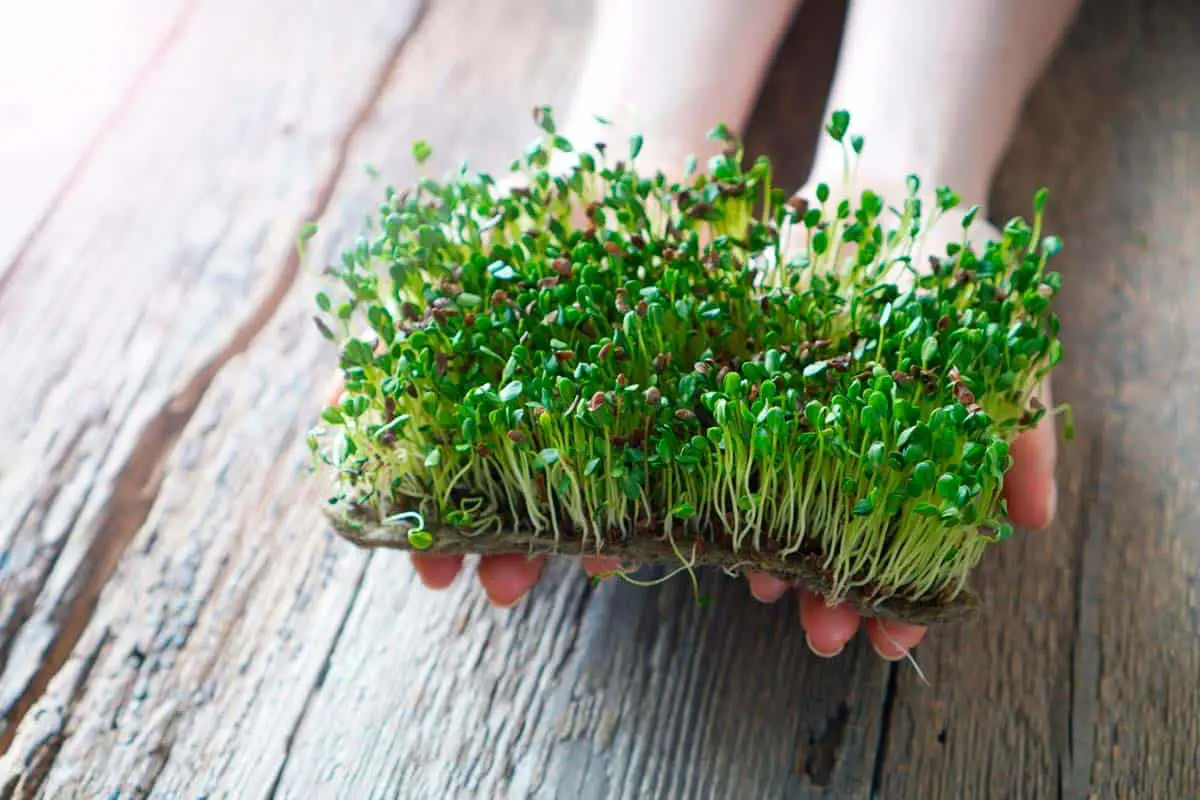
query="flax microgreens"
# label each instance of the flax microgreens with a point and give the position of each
(598, 354)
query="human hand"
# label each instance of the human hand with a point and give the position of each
(1029, 487)
(506, 578)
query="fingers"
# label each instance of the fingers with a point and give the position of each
(893, 640)
(506, 578)
(1029, 487)
(335, 390)
(766, 588)
(437, 572)
(600, 565)
(828, 628)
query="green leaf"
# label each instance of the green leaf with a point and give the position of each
(420, 539)
(468, 300)
(635, 146)
(773, 361)
(863, 507)
(333, 416)
(511, 391)
(875, 454)
(839, 123)
(820, 242)
(923, 474)
(566, 390)
(324, 329)
(592, 467)
(548, 457)
(929, 350)
(683, 510)
(421, 151)
(433, 458)
(501, 271)
(813, 411)
(947, 487)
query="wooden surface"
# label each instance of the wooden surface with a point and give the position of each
(176, 619)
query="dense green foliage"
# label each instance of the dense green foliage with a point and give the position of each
(599, 353)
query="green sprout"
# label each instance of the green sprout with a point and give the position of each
(602, 358)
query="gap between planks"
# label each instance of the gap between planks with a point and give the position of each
(140, 478)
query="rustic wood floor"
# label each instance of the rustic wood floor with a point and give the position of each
(176, 621)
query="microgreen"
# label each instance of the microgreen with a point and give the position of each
(697, 359)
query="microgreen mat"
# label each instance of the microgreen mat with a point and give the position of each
(594, 359)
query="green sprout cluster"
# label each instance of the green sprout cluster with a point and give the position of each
(595, 354)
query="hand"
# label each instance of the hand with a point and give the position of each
(1029, 487)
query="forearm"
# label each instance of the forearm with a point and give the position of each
(936, 86)
(671, 69)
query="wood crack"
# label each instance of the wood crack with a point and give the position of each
(139, 480)
(319, 681)
(1083, 676)
(577, 615)
(885, 724)
(25, 779)
(24, 607)
(820, 757)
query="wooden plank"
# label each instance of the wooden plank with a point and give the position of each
(67, 70)
(619, 692)
(1085, 680)
(167, 256)
(240, 649)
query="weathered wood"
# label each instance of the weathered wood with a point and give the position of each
(195, 668)
(239, 649)
(163, 261)
(70, 68)
(1086, 682)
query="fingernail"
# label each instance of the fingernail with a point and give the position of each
(893, 657)
(505, 604)
(820, 653)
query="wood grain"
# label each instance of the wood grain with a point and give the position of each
(237, 647)
(228, 602)
(1087, 683)
(163, 261)
(69, 71)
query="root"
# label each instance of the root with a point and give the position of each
(955, 605)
